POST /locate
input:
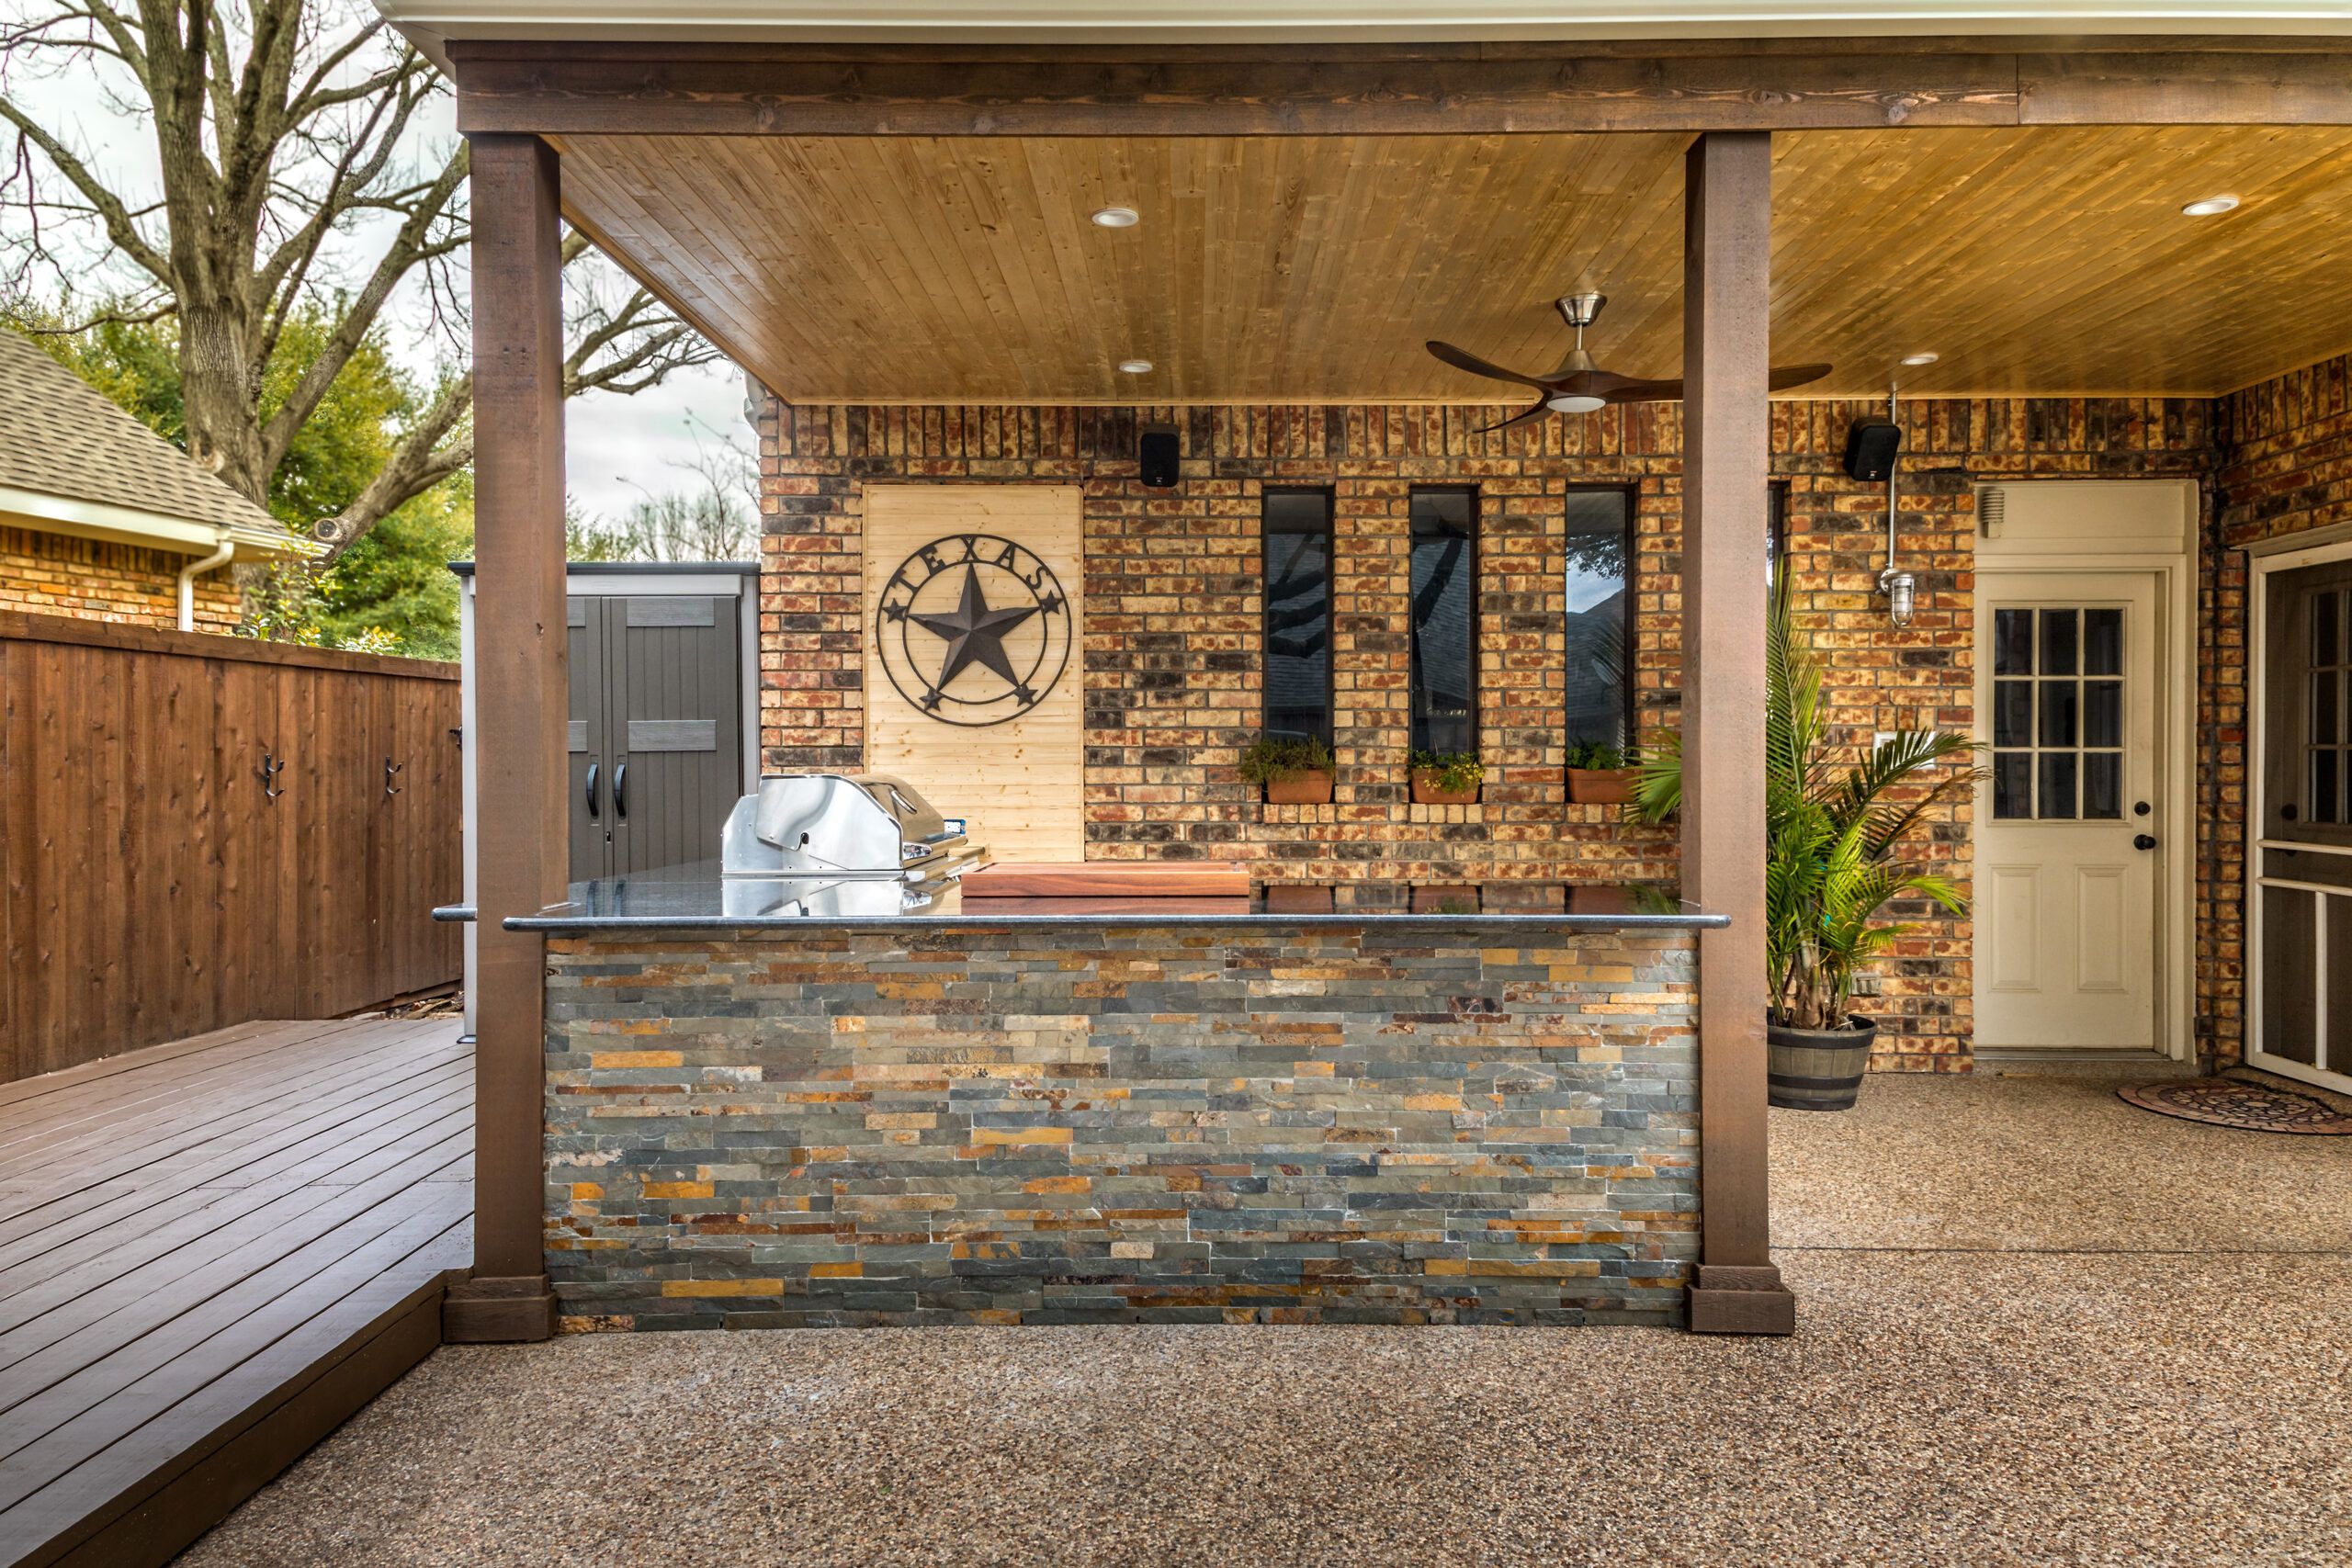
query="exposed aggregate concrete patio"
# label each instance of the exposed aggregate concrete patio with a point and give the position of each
(2037, 1326)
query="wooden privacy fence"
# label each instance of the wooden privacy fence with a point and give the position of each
(197, 830)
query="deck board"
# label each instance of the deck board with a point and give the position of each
(212, 1253)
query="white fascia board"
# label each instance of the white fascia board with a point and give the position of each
(1425, 21)
(126, 525)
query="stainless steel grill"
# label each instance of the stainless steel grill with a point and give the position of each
(839, 826)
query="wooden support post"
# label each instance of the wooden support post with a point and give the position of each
(1727, 223)
(520, 706)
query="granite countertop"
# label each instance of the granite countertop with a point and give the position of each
(698, 897)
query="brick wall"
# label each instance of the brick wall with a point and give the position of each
(59, 574)
(2286, 450)
(1411, 1122)
(1173, 630)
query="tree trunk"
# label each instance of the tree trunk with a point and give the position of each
(218, 396)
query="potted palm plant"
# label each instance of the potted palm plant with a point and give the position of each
(1295, 770)
(1447, 778)
(1600, 775)
(1834, 827)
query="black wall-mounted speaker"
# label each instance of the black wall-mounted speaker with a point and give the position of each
(1870, 448)
(1159, 455)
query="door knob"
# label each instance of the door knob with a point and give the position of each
(2143, 840)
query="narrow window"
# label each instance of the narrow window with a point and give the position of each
(1600, 627)
(1445, 620)
(1298, 612)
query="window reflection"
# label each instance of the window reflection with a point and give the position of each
(1444, 607)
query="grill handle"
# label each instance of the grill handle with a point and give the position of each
(592, 794)
(620, 792)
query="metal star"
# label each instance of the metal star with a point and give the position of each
(974, 633)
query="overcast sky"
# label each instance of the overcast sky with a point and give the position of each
(616, 447)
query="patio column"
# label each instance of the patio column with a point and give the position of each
(520, 683)
(1727, 223)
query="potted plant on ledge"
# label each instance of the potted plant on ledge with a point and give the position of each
(1832, 831)
(1294, 769)
(1447, 778)
(1600, 775)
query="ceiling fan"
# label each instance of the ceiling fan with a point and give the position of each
(1579, 386)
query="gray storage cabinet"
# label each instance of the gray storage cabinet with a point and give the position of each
(663, 724)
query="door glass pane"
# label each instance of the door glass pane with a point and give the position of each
(2013, 713)
(2323, 784)
(2102, 713)
(2057, 797)
(2058, 699)
(2103, 784)
(2060, 633)
(2290, 973)
(2326, 706)
(2326, 631)
(2013, 783)
(2013, 642)
(2102, 642)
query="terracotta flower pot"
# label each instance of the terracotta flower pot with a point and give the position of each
(1817, 1069)
(1300, 789)
(1428, 791)
(1600, 787)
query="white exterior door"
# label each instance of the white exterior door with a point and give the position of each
(2069, 857)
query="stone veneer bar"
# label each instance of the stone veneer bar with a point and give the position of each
(1454, 1120)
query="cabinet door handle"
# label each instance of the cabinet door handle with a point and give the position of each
(620, 792)
(592, 794)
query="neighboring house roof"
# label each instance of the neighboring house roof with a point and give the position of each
(71, 461)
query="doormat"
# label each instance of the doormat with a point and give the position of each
(2232, 1102)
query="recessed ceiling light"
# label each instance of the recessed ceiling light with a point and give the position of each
(1923, 358)
(1115, 217)
(2212, 206)
(1136, 366)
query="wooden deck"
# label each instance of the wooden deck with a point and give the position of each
(212, 1253)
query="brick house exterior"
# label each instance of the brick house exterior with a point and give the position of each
(95, 579)
(1173, 616)
(99, 515)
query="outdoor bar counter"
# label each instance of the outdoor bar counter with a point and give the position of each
(783, 1102)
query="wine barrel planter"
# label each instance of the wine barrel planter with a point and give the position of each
(1817, 1069)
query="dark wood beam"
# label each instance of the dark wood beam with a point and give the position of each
(521, 701)
(1727, 341)
(593, 88)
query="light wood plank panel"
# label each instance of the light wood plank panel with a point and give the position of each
(1303, 269)
(1017, 784)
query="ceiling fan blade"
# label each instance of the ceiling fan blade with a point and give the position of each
(1463, 359)
(1626, 391)
(1783, 376)
(1535, 411)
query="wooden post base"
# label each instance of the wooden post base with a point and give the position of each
(1729, 1299)
(498, 1312)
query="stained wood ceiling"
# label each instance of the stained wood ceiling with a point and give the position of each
(1311, 269)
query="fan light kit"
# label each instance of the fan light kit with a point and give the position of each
(1115, 217)
(1923, 358)
(1580, 385)
(1136, 366)
(2212, 206)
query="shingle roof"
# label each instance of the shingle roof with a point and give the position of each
(59, 436)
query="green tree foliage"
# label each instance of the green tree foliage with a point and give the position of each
(391, 591)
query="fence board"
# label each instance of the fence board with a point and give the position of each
(149, 887)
